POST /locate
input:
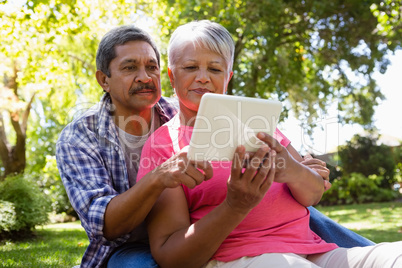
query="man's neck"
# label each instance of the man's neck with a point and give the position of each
(137, 124)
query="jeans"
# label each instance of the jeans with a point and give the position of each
(333, 232)
(132, 255)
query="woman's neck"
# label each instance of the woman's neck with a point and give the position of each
(187, 117)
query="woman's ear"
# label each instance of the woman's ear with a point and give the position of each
(171, 77)
(102, 80)
(227, 84)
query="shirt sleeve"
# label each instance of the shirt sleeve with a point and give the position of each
(88, 184)
(278, 135)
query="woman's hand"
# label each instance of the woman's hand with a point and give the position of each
(250, 178)
(286, 165)
(305, 184)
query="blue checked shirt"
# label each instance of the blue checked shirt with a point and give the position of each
(91, 163)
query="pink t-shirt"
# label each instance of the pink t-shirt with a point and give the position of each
(278, 224)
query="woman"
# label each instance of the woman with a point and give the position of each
(240, 217)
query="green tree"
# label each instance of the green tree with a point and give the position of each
(300, 52)
(363, 155)
(305, 52)
(33, 69)
(47, 60)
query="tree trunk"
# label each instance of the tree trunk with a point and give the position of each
(13, 157)
(238, 48)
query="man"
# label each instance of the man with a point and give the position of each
(99, 152)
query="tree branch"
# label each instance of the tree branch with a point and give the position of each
(87, 65)
(238, 47)
(14, 118)
(26, 115)
(4, 144)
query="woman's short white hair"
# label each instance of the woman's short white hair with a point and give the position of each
(203, 33)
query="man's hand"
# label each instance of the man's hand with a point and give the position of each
(320, 167)
(179, 170)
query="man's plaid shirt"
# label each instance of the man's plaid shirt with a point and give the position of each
(91, 163)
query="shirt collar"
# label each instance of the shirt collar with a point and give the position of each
(166, 108)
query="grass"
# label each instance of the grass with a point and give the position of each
(62, 245)
(56, 245)
(379, 222)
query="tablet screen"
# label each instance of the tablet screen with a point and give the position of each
(223, 122)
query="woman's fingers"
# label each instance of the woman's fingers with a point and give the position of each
(266, 173)
(248, 186)
(271, 173)
(270, 141)
(255, 163)
(238, 162)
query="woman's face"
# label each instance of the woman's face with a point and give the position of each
(196, 71)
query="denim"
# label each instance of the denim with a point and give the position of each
(332, 232)
(132, 255)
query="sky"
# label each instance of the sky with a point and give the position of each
(330, 134)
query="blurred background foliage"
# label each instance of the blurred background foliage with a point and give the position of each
(308, 54)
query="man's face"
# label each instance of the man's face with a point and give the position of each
(134, 84)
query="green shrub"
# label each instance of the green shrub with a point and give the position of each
(49, 179)
(23, 205)
(8, 217)
(357, 188)
(363, 155)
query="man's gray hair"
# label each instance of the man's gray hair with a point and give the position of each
(116, 37)
(204, 33)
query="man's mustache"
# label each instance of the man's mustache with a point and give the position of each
(139, 88)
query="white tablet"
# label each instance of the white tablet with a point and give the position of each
(223, 122)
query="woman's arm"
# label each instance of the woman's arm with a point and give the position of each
(175, 242)
(305, 184)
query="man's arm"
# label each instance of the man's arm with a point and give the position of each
(127, 210)
(87, 183)
(107, 210)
